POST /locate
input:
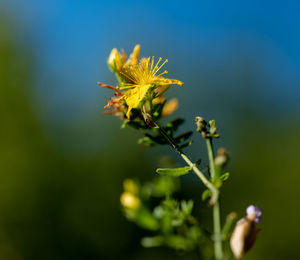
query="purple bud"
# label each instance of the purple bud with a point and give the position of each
(254, 210)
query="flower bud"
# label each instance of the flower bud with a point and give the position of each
(130, 201)
(253, 211)
(170, 107)
(131, 186)
(245, 232)
(201, 126)
(134, 56)
(222, 157)
(116, 60)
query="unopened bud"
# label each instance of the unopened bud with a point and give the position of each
(116, 60)
(130, 201)
(170, 107)
(245, 232)
(147, 117)
(222, 157)
(201, 126)
(112, 58)
(134, 56)
(213, 129)
(131, 186)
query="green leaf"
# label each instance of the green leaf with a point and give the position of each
(145, 219)
(224, 176)
(163, 185)
(125, 122)
(136, 124)
(146, 141)
(228, 226)
(174, 171)
(197, 163)
(176, 241)
(152, 241)
(157, 110)
(179, 242)
(157, 139)
(183, 137)
(187, 207)
(206, 194)
(172, 126)
(212, 123)
(186, 144)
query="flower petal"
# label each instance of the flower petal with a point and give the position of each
(164, 81)
(134, 96)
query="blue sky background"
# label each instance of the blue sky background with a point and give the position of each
(227, 53)
(72, 39)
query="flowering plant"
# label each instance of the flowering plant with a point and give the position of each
(140, 103)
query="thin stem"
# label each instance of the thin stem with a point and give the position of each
(216, 207)
(215, 193)
(200, 174)
(210, 152)
(218, 247)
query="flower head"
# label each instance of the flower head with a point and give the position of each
(254, 212)
(141, 78)
(138, 80)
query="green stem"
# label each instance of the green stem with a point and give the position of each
(210, 152)
(215, 193)
(218, 247)
(200, 174)
(216, 207)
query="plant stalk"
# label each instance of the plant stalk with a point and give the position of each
(210, 152)
(218, 247)
(215, 193)
(200, 174)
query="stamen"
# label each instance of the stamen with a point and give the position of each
(128, 75)
(156, 66)
(152, 63)
(165, 72)
(110, 87)
(127, 86)
(161, 66)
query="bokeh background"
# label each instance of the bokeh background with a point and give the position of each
(63, 161)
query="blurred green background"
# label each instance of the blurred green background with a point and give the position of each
(63, 161)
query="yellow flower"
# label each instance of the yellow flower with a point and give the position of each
(134, 56)
(131, 186)
(117, 61)
(130, 201)
(141, 78)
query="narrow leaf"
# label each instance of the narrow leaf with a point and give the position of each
(157, 139)
(174, 171)
(152, 241)
(224, 176)
(186, 144)
(183, 137)
(206, 194)
(197, 163)
(146, 141)
(172, 126)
